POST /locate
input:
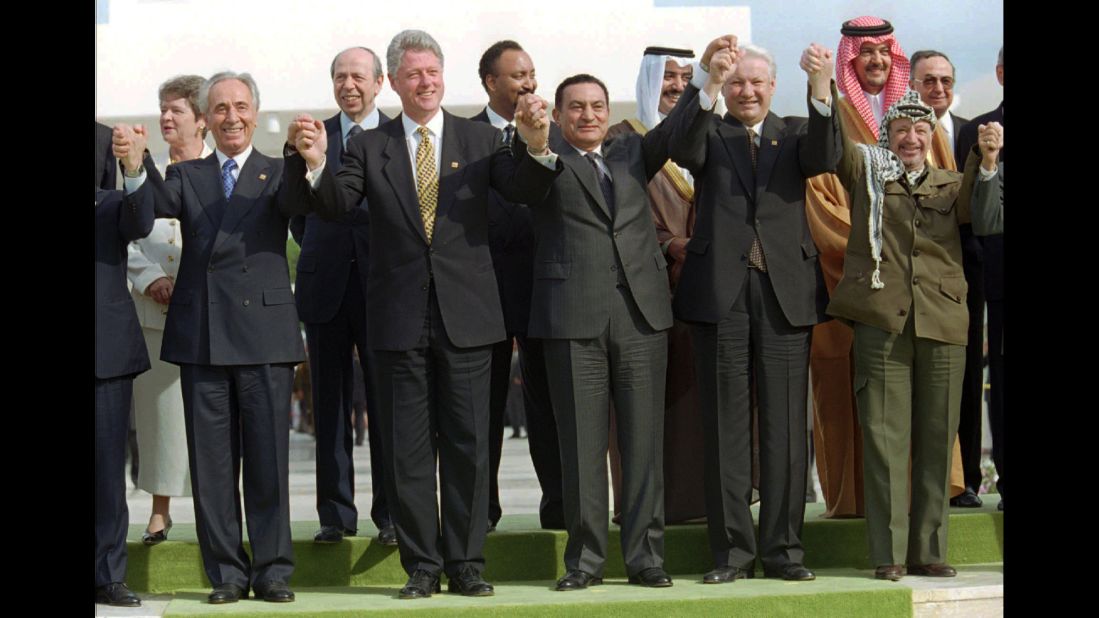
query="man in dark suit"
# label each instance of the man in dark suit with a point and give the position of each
(119, 356)
(331, 298)
(933, 77)
(602, 307)
(432, 303)
(992, 252)
(752, 289)
(507, 73)
(233, 330)
(106, 171)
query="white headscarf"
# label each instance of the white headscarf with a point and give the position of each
(650, 81)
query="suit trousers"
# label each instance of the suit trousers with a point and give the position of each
(540, 423)
(754, 338)
(626, 364)
(112, 517)
(969, 424)
(331, 367)
(909, 391)
(434, 403)
(996, 387)
(234, 412)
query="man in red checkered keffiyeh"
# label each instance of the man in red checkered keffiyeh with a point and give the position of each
(871, 69)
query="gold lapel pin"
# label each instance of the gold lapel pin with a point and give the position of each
(263, 176)
(774, 142)
(454, 165)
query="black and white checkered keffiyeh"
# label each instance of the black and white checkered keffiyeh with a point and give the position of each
(882, 166)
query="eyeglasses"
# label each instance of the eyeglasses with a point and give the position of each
(931, 80)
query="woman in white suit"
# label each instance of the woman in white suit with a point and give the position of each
(153, 261)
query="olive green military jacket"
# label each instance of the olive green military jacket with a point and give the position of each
(921, 263)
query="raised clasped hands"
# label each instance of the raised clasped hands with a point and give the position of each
(818, 63)
(308, 137)
(532, 122)
(128, 143)
(720, 58)
(990, 138)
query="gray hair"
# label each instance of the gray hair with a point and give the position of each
(245, 78)
(755, 51)
(377, 62)
(924, 54)
(1000, 57)
(416, 40)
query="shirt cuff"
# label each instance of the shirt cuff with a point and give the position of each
(133, 184)
(987, 175)
(700, 76)
(549, 160)
(822, 108)
(313, 177)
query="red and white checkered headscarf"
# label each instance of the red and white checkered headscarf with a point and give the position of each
(847, 81)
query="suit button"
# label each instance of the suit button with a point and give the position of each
(915, 280)
(246, 302)
(917, 223)
(614, 268)
(902, 312)
(210, 269)
(915, 253)
(616, 234)
(171, 258)
(244, 269)
(423, 287)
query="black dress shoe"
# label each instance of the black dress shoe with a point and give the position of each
(726, 574)
(117, 594)
(792, 572)
(420, 585)
(967, 499)
(227, 593)
(577, 580)
(331, 534)
(275, 592)
(388, 536)
(469, 583)
(1000, 506)
(891, 572)
(152, 538)
(932, 570)
(491, 527)
(652, 577)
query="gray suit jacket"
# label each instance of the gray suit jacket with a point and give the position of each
(987, 210)
(581, 246)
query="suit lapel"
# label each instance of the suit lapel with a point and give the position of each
(207, 184)
(770, 141)
(335, 142)
(398, 170)
(251, 183)
(614, 155)
(735, 140)
(452, 163)
(583, 171)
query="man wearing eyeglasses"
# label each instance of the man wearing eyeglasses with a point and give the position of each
(933, 77)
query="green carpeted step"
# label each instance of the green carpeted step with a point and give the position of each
(837, 592)
(519, 551)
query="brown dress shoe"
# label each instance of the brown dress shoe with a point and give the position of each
(892, 572)
(932, 570)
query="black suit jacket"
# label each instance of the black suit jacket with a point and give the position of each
(232, 303)
(106, 170)
(328, 247)
(730, 197)
(403, 266)
(582, 245)
(992, 247)
(119, 344)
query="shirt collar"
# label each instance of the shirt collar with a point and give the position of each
(598, 150)
(435, 125)
(240, 158)
(497, 120)
(370, 122)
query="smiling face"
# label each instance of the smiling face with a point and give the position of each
(748, 92)
(231, 116)
(910, 141)
(353, 83)
(933, 78)
(178, 123)
(584, 115)
(675, 82)
(872, 66)
(513, 76)
(419, 82)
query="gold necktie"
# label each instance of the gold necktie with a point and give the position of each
(427, 181)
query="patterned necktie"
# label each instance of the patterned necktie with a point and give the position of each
(755, 253)
(352, 132)
(227, 180)
(509, 132)
(604, 181)
(427, 181)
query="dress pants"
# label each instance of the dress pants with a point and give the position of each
(434, 408)
(754, 338)
(331, 367)
(541, 428)
(112, 518)
(969, 424)
(909, 391)
(626, 364)
(996, 386)
(234, 412)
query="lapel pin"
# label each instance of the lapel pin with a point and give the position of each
(454, 165)
(774, 142)
(263, 176)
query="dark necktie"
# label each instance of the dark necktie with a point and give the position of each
(604, 181)
(227, 180)
(755, 254)
(509, 132)
(352, 132)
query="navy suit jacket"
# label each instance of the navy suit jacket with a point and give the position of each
(119, 344)
(106, 169)
(329, 247)
(232, 303)
(403, 265)
(992, 247)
